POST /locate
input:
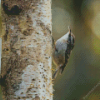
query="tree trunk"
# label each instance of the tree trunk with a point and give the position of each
(26, 50)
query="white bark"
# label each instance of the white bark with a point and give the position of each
(27, 50)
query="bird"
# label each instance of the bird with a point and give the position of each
(62, 50)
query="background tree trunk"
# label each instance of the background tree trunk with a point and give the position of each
(26, 50)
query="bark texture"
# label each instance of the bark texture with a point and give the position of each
(26, 50)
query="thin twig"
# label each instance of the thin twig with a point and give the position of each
(91, 90)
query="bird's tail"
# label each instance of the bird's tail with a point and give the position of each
(55, 74)
(61, 70)
(62, 67)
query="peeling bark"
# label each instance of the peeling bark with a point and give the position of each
(26, 50)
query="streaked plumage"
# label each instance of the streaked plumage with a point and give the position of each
(61, 54)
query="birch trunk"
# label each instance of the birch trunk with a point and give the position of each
(26, 50)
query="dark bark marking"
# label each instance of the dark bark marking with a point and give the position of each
(37, 98)
(44, 27)
(29, 29)
(15, 10)
(14, 40)
(33, 79)
(27, 32)
(5, 36)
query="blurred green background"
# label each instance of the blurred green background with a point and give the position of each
(82, 72)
